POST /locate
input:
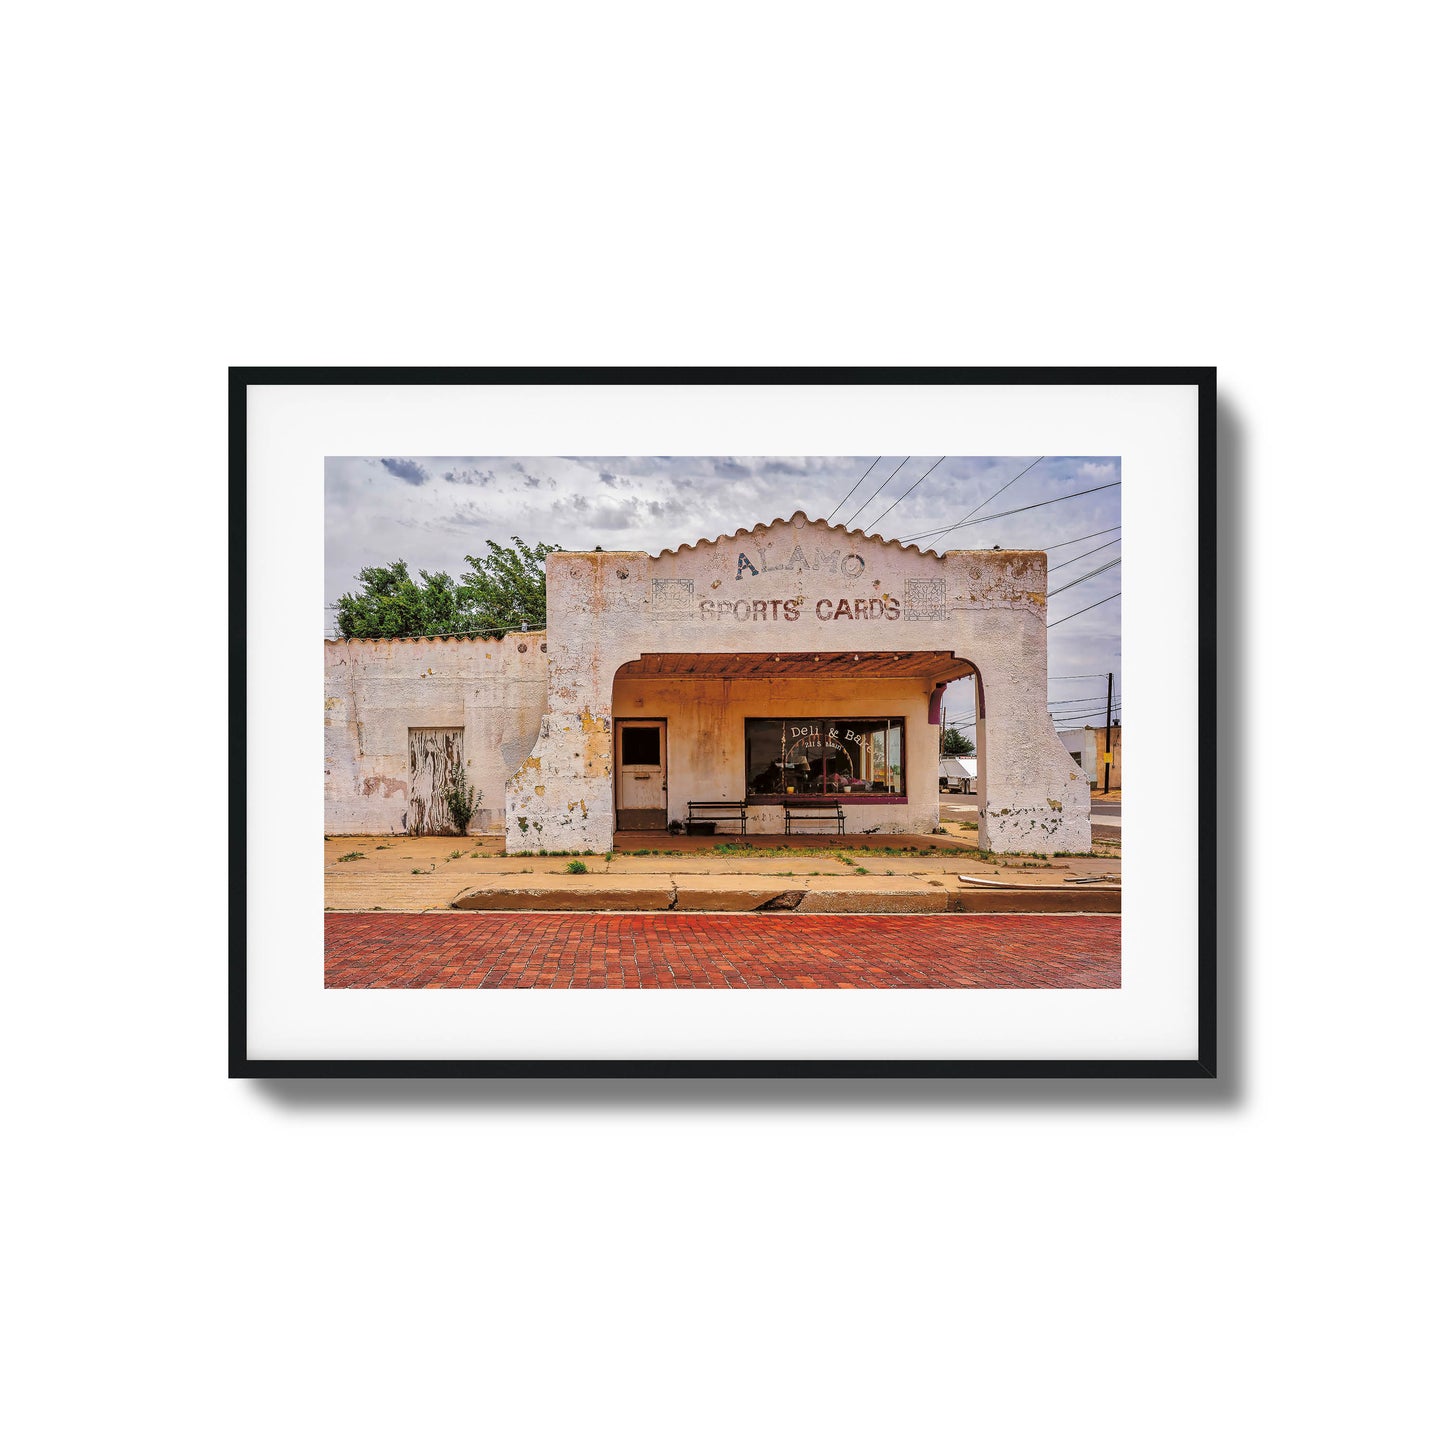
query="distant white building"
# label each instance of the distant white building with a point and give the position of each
(1086, 747)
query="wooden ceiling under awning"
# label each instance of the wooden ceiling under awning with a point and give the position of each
(931, 666)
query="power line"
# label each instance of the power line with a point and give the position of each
(894, 503)
(1005, 486)
(486, 627)
(1054, 546)
(1093, 703)
(1089, 608)
(1097, 705)
(886, 480)
(499, 631)
(1014, 511)
(1085, 712)
(987, 500)
(508, 622)
(1086, 577)
(954, 722)
(853, 488)
(1082, 555)
(946, 530)
(1075, 676)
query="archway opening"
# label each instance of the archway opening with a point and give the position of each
(777, 744)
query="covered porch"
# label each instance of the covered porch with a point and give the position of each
(792, 746)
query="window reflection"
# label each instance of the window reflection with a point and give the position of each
(822, 756)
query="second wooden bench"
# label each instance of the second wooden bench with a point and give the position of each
(809, 812)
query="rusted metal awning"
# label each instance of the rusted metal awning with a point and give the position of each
(930, 666)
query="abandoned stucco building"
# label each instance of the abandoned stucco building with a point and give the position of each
(792, 670)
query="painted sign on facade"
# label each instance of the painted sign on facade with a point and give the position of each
(849, 565)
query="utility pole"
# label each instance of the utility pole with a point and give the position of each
(1109, 733)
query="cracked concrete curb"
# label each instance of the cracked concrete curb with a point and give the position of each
(649, 894)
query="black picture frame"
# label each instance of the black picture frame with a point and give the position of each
(1203, 1066)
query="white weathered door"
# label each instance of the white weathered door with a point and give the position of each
(436, 759)
(641, 774)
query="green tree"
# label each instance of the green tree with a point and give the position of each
(955, 745)
(391, 603)
(504, 590)
(509, 584)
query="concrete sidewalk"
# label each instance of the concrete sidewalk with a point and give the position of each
(848, 874)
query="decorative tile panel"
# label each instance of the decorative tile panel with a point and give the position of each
(672, 596)
(924, 598)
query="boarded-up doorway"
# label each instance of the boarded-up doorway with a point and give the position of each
(436, 759)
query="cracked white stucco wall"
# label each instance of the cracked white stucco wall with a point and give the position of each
(799, 585)
(494, 689)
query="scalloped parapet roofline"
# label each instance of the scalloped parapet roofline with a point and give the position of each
(533, 634)
(791, 521)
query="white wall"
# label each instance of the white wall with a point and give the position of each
(377, 689)
(799, 585)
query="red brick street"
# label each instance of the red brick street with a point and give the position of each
(649, 950)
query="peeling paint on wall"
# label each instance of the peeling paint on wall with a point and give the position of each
(543, 719)
(387, 787)
(375, 694)
(987, 607)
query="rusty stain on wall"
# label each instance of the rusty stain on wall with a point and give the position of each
(387, 787)
(986, 607)
(494, 698)
(531, 721)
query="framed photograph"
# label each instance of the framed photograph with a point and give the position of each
(596, 722)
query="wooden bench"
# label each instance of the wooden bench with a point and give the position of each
(808, 812)
(707, 810)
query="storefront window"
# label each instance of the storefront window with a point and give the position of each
(823, 756)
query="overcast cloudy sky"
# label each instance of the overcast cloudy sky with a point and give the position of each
(432, 511)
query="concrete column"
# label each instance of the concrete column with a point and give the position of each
(1032, 798)
(561, 797)
(980, 783)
